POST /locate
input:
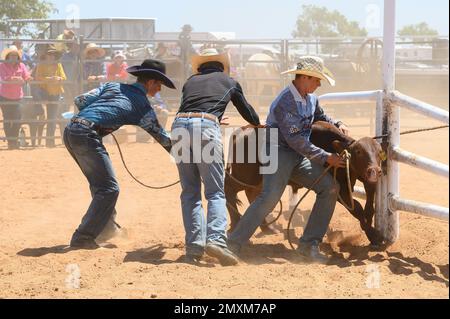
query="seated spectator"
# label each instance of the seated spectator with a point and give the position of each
(93, 70)
(14, 71)
(117, 70)
(52, 73)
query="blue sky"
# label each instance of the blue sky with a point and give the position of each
(251, 19)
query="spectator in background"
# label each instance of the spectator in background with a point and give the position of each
(93, 69)
(66, 35)
(26, 58)
(184, 40)
(35, 111)
(117, 70)
(162, 51)
(52, 73)
(14, 71)
(186, 48)
(70, 60)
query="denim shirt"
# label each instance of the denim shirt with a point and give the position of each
(115, 104)
(294, 116)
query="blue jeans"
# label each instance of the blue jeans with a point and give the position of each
(192, 138)
(88, 151)
(303, 172)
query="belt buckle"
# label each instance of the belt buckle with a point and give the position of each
(84, 122)
(90, 124)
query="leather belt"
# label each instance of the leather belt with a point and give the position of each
(85, 122)
(102, 131)
(198, 115)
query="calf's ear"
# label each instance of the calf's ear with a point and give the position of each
(338, 146)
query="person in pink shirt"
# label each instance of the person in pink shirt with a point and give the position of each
(117, 71)
(14, 71)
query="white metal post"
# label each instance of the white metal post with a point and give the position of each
(387, 218)
(381, 203)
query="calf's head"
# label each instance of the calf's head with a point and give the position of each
(366, 156)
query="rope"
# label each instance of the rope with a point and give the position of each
(173, 184)
(131, 174)
(423, 130)
(413, 131)
(347, 156)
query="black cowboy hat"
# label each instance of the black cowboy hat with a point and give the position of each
(187, 28)
(153, 69)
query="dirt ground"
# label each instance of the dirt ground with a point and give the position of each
(44, 195)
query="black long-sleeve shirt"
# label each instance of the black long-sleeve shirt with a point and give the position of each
(210, 92)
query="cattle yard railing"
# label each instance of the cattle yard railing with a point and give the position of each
(388, 126)
(352, 60)
(389, 188)
(388, 103)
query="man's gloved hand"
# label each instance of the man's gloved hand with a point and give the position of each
(336, 161)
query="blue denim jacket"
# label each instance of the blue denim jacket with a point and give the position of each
(113, 105)
(294, 118)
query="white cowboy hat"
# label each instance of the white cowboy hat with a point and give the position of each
(11, 49)
(93, 46)
(210, 55)
(312, 66)
(119, 54)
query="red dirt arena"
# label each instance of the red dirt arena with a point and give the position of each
(44, 196)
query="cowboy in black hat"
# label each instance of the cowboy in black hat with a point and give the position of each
(103, 111)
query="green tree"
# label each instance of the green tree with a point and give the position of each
(419, 29)
(317, 21)
(23, 9)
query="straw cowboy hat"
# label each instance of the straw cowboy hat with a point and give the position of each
(312, 66)
(210, 55)
(11, 49)
(93, 46)
(153, 69)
